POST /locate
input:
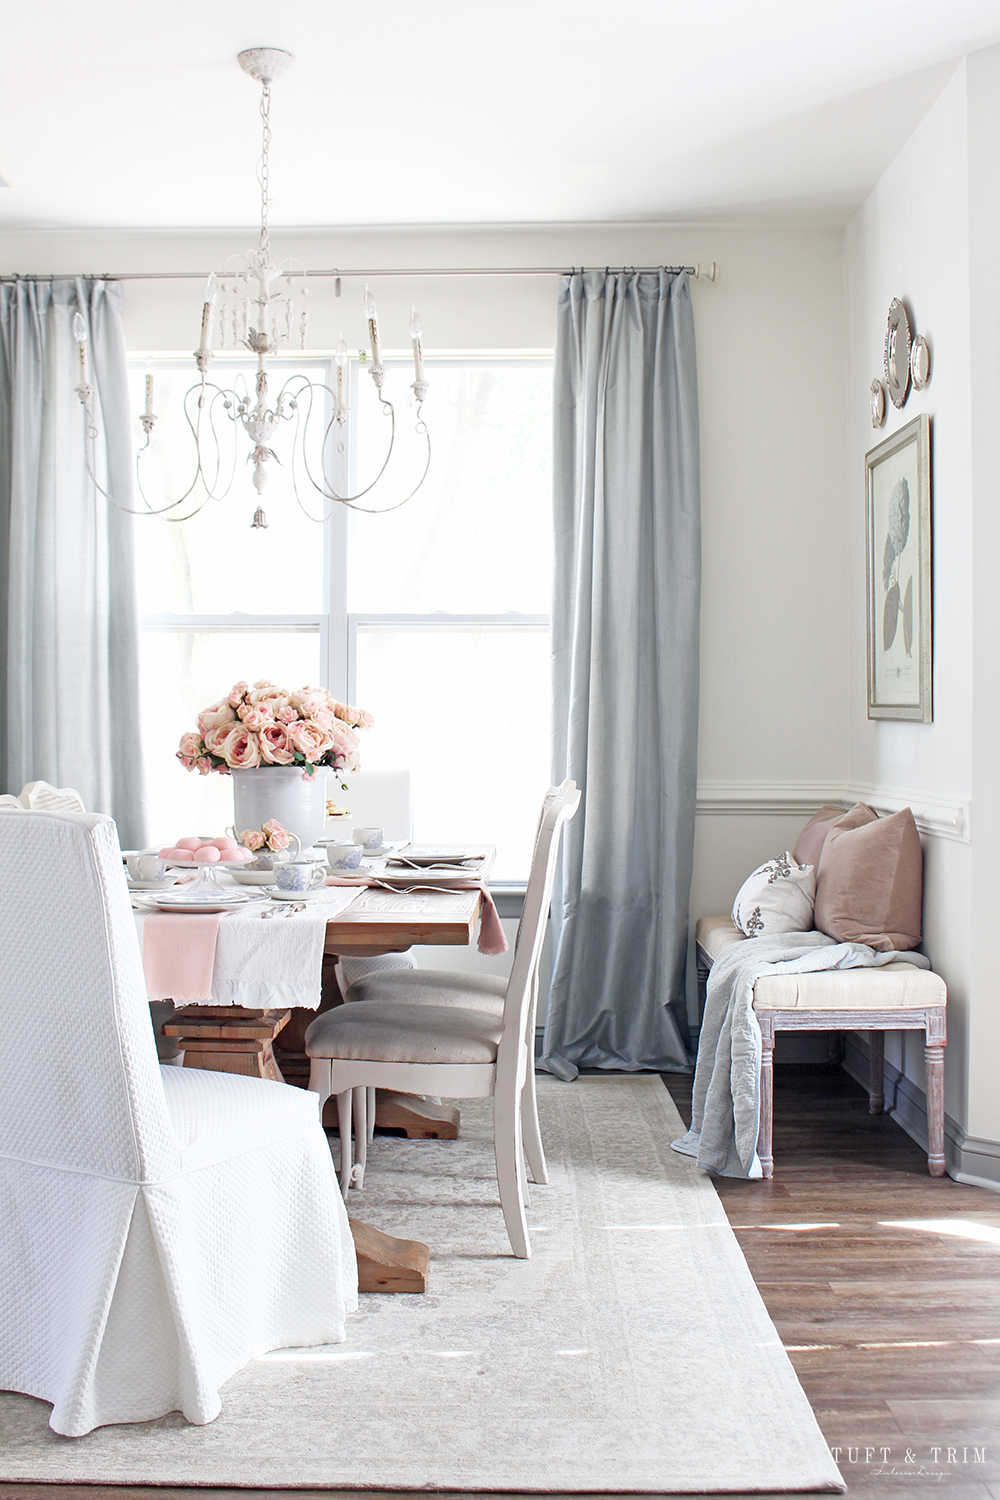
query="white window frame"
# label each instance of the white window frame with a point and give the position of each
(337, 629)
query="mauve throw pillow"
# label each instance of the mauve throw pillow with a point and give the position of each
(870, 882)
(809, 845)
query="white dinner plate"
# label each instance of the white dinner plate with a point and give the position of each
(187, 902)
(424, 877)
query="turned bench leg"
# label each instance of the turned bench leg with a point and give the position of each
(934, 1064)
(765, 1131)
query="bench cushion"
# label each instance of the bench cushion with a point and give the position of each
(895, 986)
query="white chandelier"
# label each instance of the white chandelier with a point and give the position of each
(254, 307)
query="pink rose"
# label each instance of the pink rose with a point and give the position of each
(309, 701)
(287, 715)
(252, 839)
(237, 693)
(359, 718)
(263, 682)
(190, 745)
(274, 747)
(255, 718)
(241, 749)
(268, 698)
(311, 742)
(204, 764)
(186, 761)
(215, 739)
(324, 717)
(344, 739)
(216, 714)
(277, 838)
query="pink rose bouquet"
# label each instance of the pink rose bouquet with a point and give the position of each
(264, 725)
(272, 837)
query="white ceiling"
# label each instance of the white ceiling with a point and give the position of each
(133, 113)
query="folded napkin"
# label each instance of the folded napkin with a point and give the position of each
(492, 939)
(178, 955)
(256, 963)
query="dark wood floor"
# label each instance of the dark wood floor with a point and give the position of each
(894, 1332)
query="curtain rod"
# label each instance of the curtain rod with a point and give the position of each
(708, 272)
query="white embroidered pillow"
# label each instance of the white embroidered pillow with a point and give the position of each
(777, 897)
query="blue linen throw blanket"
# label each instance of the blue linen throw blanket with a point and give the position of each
(725, 1112)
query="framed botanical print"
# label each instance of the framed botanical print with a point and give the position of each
(898, 506)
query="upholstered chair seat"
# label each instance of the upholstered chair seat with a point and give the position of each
(483, 992)
(393, 1032)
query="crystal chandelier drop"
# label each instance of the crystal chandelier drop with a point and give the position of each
(253, 306)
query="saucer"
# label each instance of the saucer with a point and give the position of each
(151, 885)
(374, 853)
(310, 895)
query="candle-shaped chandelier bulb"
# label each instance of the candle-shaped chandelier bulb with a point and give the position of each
(341, 358)
(208, 315)
(371, 313)
(83, 390)
(419, 386)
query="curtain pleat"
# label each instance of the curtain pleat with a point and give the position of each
(625, 668)
(68, 613)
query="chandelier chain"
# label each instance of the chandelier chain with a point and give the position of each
(265, 118)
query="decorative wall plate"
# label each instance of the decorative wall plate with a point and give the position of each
(897, 353)
(877, 403)
(920, 362)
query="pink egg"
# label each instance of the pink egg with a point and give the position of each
(221, 844)
(189, 843)
(242, 855)
(166, 853)
(206, 855)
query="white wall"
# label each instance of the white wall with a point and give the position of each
(929, 234)
(910, 241)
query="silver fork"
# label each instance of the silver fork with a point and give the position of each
(284, 911)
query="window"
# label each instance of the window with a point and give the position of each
(434, 616)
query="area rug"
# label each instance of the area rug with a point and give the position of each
(631, 1353)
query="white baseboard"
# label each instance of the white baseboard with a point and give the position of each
(939, 817)
(968, 1159)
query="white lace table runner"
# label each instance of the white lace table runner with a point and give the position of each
(276, 962)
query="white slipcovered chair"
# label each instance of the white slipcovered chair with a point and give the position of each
(426, 1032)
(159, 1227)
(40, 796)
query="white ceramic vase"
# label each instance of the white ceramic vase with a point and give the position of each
(281, 792)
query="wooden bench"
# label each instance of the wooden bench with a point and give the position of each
(895, 997)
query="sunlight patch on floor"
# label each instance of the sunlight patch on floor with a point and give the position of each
(965, 1229)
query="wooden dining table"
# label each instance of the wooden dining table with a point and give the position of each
(271, 1043)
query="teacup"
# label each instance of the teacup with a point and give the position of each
(369, 838)
(298, 875)
(145, 866)
(344, 857)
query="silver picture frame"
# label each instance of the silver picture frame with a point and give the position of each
(898, 527)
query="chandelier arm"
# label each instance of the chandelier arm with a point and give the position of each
(225, 396)
(383, 510)
(89, 444)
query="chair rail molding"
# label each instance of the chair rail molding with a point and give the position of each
(935, 816)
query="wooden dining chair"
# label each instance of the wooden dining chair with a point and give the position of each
(452, 1043)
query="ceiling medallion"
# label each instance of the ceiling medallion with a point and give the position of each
(253, 306)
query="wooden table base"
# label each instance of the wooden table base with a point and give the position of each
(386, 1264)
(421, 1119)
(225, 1039)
